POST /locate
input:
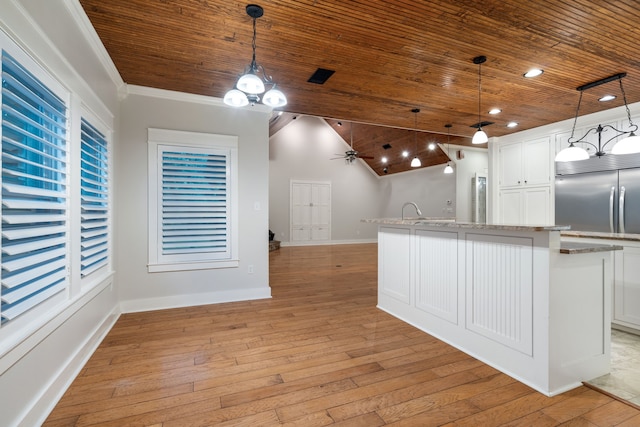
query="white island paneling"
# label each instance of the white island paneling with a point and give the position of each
(507, 295)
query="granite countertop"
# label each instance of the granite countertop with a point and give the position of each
(582, 248)
(601, 235)
(452, 223)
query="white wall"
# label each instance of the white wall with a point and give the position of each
(475, 161)
(428, 187)
(139, 290)
(52, 349)
(302, 151)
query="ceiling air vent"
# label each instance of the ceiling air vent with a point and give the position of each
(483, 124)
(321, 76)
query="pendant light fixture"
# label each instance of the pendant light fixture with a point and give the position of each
(254, 80)
(480, 137)
(415, 163)
(448, 168)
(627, 145)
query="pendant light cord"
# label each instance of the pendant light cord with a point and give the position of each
(575, 120)
(624, 98)
(253, 45)
(479, 92)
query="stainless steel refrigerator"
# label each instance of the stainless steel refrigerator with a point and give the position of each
(599, 194)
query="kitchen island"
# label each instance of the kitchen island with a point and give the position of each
(510, 296)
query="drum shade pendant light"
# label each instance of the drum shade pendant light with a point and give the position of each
(415, 163)
(627, 145)
(254, 80)
(448, 168)
(480, 137)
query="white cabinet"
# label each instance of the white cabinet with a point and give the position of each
(525, 163)
(310, 211)
(525, 206)
(525, 181)
(626, 288)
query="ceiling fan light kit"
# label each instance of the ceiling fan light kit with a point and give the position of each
(255, 79)
(628, 145)
(350, 155)
(480, 137)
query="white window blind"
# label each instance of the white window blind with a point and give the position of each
(194, 203)
(192, 200)
(94, 189)
(34, 191)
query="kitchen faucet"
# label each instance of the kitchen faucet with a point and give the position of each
(414, 205)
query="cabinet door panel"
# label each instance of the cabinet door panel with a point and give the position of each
(511, 165)
(627, 286)
(536, 162)
(511, 206)
(537, 206)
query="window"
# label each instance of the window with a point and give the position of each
(94, 188)
(192, 200)
(34, 192)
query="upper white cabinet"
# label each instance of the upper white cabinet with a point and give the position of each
(525, 182)
(525, 163)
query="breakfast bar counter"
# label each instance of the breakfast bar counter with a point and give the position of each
(510, 296)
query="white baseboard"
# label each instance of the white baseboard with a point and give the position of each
(177, 301)
(52, 394)
(329, 242)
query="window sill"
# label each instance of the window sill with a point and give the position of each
(187, 266)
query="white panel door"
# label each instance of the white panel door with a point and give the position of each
(320, 211)
(310, 211)
(300, 211)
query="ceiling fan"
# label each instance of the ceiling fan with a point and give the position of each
(351, 155)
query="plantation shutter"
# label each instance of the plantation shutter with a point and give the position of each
(94, 189)
(194, 223)
(34, 192)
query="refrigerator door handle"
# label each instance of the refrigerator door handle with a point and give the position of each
(611, 201)
(621, 210)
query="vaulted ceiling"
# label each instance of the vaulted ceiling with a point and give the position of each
(389, 57)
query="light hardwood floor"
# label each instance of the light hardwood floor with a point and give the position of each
(318, 353)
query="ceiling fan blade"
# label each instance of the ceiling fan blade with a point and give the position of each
(366, 157)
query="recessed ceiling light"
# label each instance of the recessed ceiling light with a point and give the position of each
(534, 72)
(512, 124)
(495, 111)
(405, 153)
(384, 160)
(607, 98)
(432, 146)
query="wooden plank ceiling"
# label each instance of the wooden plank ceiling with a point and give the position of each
(389, 57)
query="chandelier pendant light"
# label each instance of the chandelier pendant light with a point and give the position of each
(448, 169)
(255, 80)
(629, 144)
(416, 163)
(480, 137)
